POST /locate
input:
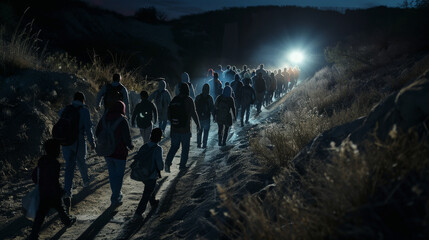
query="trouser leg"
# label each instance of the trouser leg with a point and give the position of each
(175, 144)
(149, 187)
(186, 143)
(38, 221)
(81, 162)
(220, 133)
(225, 134)
(70, 159)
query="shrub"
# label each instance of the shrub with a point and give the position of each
(314, 206)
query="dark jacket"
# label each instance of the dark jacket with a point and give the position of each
(122, 132)
(248, 96)
(223, 107)
(202, 99)
(191, 113)
(141, 108)
(49, 174)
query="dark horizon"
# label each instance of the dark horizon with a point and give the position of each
(175, 9)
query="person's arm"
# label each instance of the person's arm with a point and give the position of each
(155, 113)
(158, 158)
(125, 133)
(211, 106)
(194, 114)
(88, 126)
(100, 94)
(192, 91)
(126, 101)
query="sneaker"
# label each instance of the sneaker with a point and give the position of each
(204, 146)
(167, 169)
(72, 221)
(199, 146)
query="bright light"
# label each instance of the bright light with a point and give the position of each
(296, 57)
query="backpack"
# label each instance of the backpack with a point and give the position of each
(177, 111)
(66, 130)
(112, 95)
(223, 110)
(144, 165)
(144, 117)
(106, 142)
(203, 108)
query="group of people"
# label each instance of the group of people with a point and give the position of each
(219, 101)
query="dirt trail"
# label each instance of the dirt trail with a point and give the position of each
(186, 196)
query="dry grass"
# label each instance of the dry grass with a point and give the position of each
(22, 51)
(314, 207)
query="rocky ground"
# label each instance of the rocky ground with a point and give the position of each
(189, 199)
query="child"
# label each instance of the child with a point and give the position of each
(149, 184)
(49, 187)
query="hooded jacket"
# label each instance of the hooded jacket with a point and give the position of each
(223, 107)
(161, 98)
(190, 112)
(122, 132)
(204, 101)
(248, 95)
(186, 79)
(125, 99)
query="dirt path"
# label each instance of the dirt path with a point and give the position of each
(187, 197)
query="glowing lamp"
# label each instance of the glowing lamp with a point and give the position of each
(296, 57)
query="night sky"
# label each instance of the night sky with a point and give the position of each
(177, 8)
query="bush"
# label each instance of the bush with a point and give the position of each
(316, 205)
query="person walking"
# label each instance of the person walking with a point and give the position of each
(46, 175)
(75, 153)
(186, 79)
(162, 99)
(236, 86)
(151, 151)
(115, 118)
(205, 107)
(180, 112)
(260, 89)
(280, 84)
(247, 98)
(223, 107)
(215, 86)
(112, 92)
(145, 111)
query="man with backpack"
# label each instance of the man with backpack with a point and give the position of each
(46, 175)
(112, 92)
(75, 122)
(113, 142)
(180, 112)
(145, 111)
(205, 108)
(162, 99)
(248, 97)
(149, 159)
